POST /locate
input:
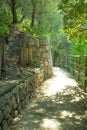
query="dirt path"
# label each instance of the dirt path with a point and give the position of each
(61, 106)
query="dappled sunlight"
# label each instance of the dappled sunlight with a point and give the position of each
(61, 106)
(78, 117)
(50, 124)
(76, 99)
(65, 114)
(54, 85)
(17, 119)
(34, 104)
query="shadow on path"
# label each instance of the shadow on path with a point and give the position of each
(61, 106)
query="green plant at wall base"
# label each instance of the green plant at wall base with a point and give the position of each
(32, 61)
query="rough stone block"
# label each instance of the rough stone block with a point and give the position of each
(2, 103)
(1, 116)
(4, 125)
(19, 108)
(9, 120)
(6, 111)
(13, 103)
(0, 128)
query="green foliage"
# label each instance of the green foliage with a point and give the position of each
(4, 30)
(79, 49)
(74, 18)
(5, 16)
(45, 20)
(24, 25)
(5, 20)
(59, 44)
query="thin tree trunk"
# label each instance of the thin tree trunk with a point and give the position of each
(13, 10)
(33, 14)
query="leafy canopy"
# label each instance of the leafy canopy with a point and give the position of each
(75, 19)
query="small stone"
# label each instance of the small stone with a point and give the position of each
(15, 113)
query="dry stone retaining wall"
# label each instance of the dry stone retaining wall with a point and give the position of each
(42, 54)
(14, 96)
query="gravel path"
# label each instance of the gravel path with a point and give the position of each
(60, 105)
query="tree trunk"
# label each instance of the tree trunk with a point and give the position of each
(13, 10)
(33, 14)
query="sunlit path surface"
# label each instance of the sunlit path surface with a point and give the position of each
(60, 105)
(58, 82)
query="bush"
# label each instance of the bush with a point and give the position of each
(4, 30)
(24, 26)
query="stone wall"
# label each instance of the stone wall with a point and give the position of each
(14, 96)
(42, 54)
